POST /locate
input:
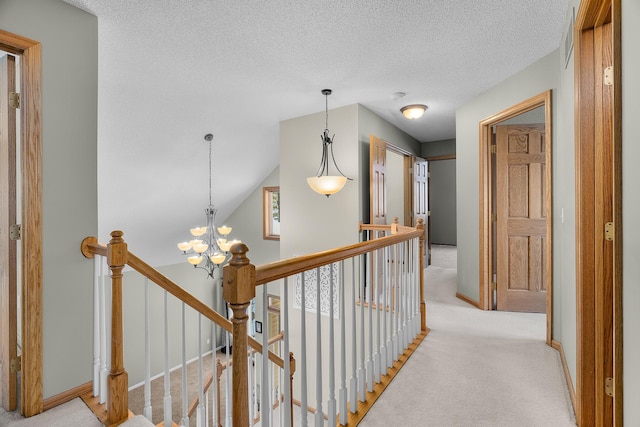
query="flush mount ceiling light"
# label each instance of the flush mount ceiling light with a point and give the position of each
(413, 111)
(323, 183)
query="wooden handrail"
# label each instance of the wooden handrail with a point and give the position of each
(91, 247)
(277, 270)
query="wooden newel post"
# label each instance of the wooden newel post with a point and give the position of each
(118, 379)
(239, 278)
(423, 305)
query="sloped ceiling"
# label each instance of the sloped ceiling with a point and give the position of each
(171, 71)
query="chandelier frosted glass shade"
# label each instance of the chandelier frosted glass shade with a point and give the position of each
(326, 185)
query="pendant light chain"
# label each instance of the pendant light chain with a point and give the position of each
(326, 111)
(210, 173)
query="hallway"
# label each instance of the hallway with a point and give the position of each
(475, 368)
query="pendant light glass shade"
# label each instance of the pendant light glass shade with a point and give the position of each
(323, 183)
(326, 185)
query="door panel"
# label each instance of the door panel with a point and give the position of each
(378, 170)
(521, 220)
(421, 202)
(8, 247)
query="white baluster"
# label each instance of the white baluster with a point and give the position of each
(107, 327)
(331, 403)
(385, 314)
(96, 325)
(375, 284)
(167, 375)
(227, 378)
(286, 417)
(319, 419)
(353, 383)
(214, 375)
(362, 387)
(200, 409)
(206, 408)
(395, 318)
(252, 387)
(185, 403)
(370, 323)
(146, 410)
(342, 396)
(403, 294)
(265, 389)
(418, 275)
(105, 322)
(303, 354)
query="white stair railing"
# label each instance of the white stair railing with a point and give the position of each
(375, 298)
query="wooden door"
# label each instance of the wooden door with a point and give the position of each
(521, 218)
(8, 247)
(421, 202)
(377, 179)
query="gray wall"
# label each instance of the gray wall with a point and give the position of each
(442, 201)
(69, 40)
(535, 79)
(631, 208)
(438, 148)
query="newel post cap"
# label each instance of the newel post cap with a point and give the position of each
(117, 252)
(239, 277)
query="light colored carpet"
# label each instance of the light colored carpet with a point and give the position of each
(476, 368)
(71, 414)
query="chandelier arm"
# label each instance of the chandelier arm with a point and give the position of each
(324, 162)
(336, 165)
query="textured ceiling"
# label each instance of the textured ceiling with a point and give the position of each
(171, 71)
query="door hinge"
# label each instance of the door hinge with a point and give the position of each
(15, 365)
(428, 174)
(494, 286)
(15, 232)
(494, 217)
(608, 386)
(608, 231)
(14, 100)
(608, 76)
(428, 213)
(493, 148)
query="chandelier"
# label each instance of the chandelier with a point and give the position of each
(209, 248)
(323, 183)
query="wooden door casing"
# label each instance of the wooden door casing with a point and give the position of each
(521, 218)
(598, 147)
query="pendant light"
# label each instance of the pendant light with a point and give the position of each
(322, 182)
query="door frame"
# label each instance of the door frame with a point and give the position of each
(30, 53)
(487, 196)
(599, 337)
(430, 159)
